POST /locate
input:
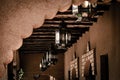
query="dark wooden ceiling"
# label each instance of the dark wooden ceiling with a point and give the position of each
(41, 39)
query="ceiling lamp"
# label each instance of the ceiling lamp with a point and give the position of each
(51, 58)
(48, 59)
(85, 11)
(43, 65)
(52, 55)
(62, 36)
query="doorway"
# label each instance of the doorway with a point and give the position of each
(10, 71)
(104, 68)
(88, 71)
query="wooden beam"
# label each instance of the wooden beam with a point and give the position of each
(38, 46)
(41, 37)
(38, 51)
(35, 43)
(43, 33)
(68, 23)
(35, 48)
(69, 19)
(32, 52)
(64, 18)
(46, 29)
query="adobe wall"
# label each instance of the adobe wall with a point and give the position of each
(104, 37)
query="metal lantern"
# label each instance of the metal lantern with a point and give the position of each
(43, 65)
(52, 59)
(44, 62)
(48, 59)
(62, 36)
(85, 11)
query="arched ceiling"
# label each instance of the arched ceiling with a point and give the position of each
(19, 17)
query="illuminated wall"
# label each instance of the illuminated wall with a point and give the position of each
(104, 37)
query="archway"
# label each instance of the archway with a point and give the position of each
(88, 71)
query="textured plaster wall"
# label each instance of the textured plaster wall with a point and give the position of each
(19, 17)
(17, 20)
(104, 37)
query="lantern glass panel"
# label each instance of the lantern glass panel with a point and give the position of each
(57, 37)
(74, 9)
(86, 4)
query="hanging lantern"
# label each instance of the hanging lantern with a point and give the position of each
(62, 36)
(43, 65)
(85, 11)
(48, 59)
(52, 59)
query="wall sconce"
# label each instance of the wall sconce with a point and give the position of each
(62, 36)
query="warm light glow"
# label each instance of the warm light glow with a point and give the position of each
(85, 4)
(84, 14)
(50, 56)
(68, 37)
(40, 65)
(74, 9)
(62, 36)
(89, 56)
(57, 37)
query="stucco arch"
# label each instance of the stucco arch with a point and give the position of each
(17, 20)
